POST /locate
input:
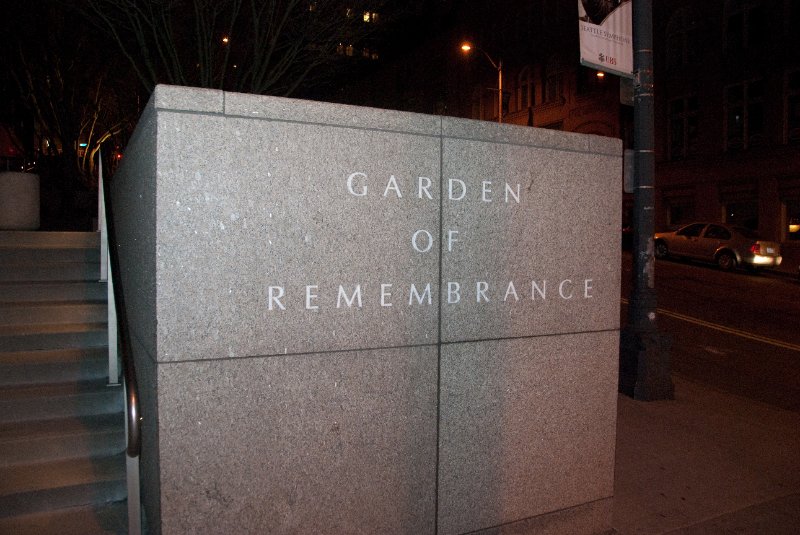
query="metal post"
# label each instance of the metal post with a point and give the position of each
(101, 222)
(644, 356)
(105, 271)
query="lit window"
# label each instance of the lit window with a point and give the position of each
(348, 51)
(793, 220)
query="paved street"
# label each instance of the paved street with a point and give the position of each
(736, 331)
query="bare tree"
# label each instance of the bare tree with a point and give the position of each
(253, 46)
(64, 80)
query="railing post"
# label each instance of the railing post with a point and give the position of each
(101, 223)
(105, 271)
(132, 416)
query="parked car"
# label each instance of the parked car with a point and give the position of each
(728, 246)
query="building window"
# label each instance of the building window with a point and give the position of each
(793, 108)
(553, 81)
(743, 213)
(683, 128)
(745, 24)
(744, 115)
(588, 82)
(682, 41)
(793, 220)
(524, 89)
(680, 211)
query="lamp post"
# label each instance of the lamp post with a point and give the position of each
(467, 48)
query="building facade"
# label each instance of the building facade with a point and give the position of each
(727, 98)
(728, 115)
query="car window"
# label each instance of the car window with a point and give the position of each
(716, 232)
(691, 231)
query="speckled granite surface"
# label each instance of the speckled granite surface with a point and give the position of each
(360, 321)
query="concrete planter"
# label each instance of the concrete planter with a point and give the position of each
(19, 201)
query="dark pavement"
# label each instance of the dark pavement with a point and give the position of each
(723, 457)
(707, 462)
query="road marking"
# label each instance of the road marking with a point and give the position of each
(723, 328)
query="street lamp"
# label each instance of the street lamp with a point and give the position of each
(467, 48)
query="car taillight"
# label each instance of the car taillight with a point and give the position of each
(755, 248)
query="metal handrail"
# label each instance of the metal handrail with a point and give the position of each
(133, 415)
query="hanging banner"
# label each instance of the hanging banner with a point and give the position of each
(606, 35)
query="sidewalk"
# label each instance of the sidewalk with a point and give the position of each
(706, 463)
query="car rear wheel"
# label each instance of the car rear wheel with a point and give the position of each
(661, 250)
(726, 261)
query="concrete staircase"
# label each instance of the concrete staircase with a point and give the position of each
(62, 438)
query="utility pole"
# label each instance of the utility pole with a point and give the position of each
(644, 354)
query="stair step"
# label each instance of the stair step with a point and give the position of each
(43, 486)
(48, 255)
(26, 292)
(36, 337)
(111, 518)
(66, 438)
(43, 402)
(53, 366)
(62, 428)
(52, 312)
(65, 271)
(35, 239)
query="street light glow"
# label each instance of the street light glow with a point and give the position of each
(466, 47)
(225, 39)
(601, 74)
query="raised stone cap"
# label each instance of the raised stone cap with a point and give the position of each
(193, 99)
(197, 100)
(305, 111)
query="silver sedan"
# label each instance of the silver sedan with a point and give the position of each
(726, 245)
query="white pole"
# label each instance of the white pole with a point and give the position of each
(105, 276)
(101, 222)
